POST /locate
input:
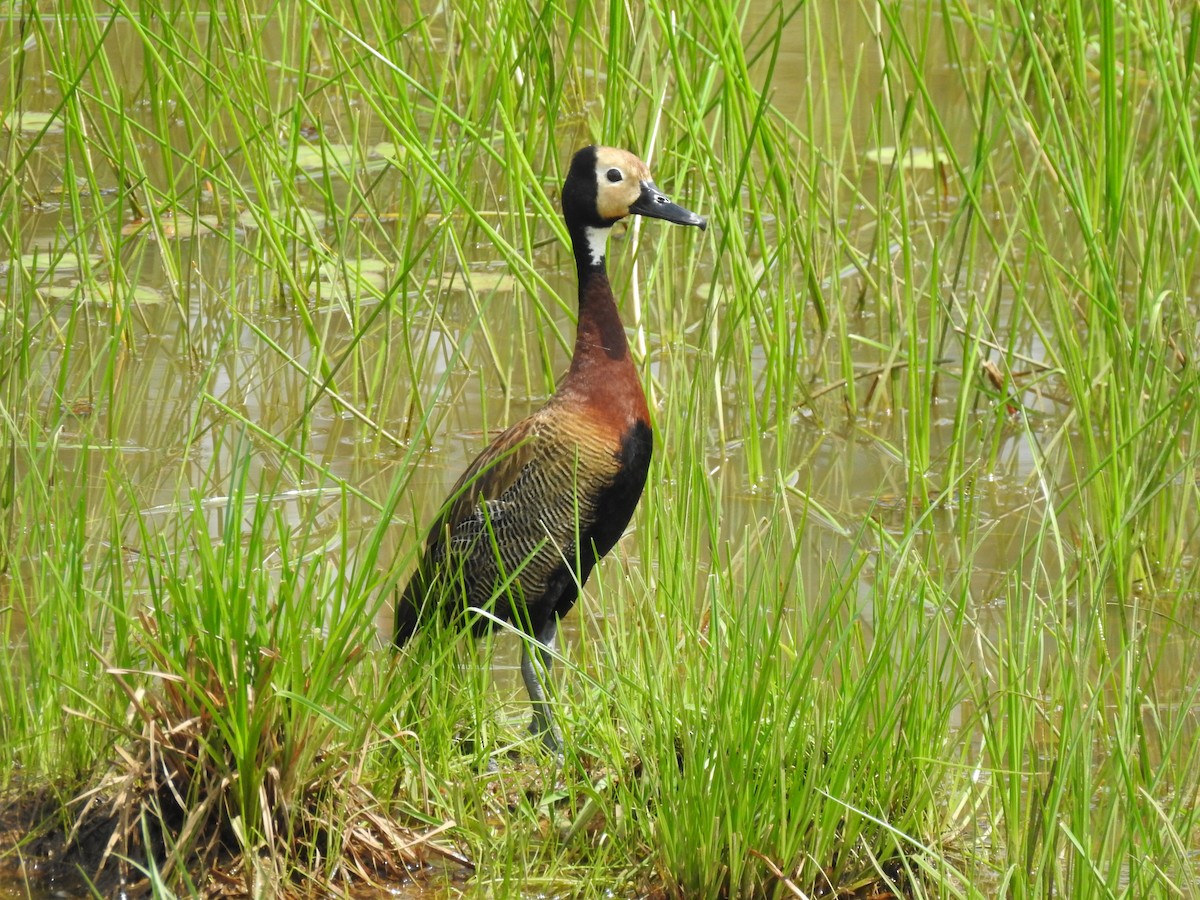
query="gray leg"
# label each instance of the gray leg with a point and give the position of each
(536, 663)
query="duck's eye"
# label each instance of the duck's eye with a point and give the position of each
(614, 175)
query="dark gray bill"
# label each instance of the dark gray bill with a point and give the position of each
(654, 203)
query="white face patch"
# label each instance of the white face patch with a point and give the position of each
(597, 241)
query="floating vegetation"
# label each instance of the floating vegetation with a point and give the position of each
(31, 123)
(914, 158)
(103, 293)
(60, 264)
(172, 225)
(310, 220)
(908, 609)
(359, 278)
(390, 151)
(325, 156)
(477, 281)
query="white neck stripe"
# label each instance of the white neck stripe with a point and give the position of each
(597, 241)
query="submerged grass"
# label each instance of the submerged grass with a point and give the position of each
(909, 604)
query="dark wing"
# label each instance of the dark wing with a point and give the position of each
(487, 478)
(493, 472)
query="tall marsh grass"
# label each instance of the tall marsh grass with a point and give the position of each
(909, 605)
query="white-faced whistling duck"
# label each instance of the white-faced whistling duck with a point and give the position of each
(530, 517)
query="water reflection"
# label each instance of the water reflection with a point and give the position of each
(206, 349)
(230, 337)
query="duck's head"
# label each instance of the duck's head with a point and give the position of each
(605, 185)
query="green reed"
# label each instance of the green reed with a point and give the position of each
(945, 666)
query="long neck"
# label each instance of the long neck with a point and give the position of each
(602, 376)
(600, 338)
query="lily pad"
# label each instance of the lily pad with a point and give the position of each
(173, 226)
(335, 155)
(479, 282)
(249, 219)
(372, 265)
(182, 225)
(388, 150)
(28, 122)
(915, 159)
(134, 227)
(48, 260)
(101, 293)
(359, 275)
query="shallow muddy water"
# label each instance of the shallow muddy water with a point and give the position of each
(199, 340)
(213, 333)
